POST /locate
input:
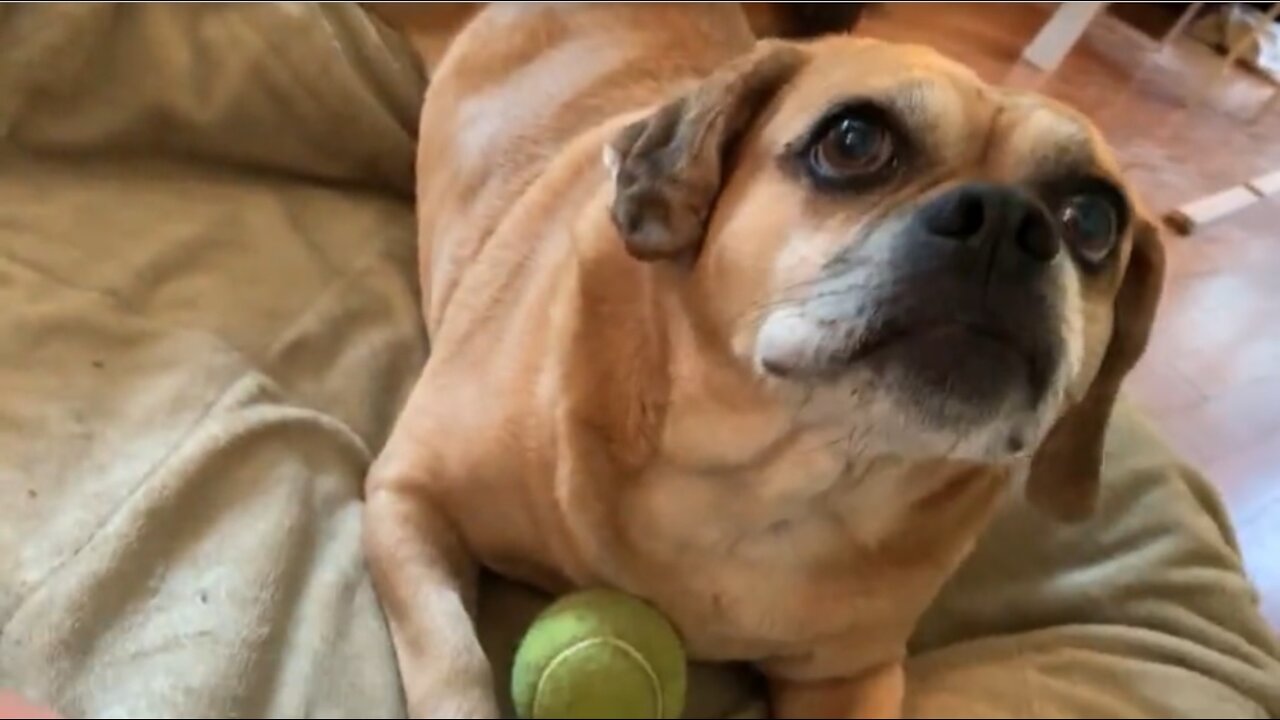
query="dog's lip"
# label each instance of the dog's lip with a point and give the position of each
(890, 335)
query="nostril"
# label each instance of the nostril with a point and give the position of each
(1036, 237)
(962, 218)
(972, 215)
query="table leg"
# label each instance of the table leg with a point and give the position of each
(1064, 28)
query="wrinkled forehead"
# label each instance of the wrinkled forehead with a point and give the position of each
(1035, 137)
(951, 116)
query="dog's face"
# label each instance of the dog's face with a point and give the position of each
(953, 269)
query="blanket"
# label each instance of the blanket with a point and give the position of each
(209, 320)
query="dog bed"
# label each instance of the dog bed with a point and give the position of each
(209, 319)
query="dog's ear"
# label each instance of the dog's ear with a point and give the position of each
(668, 167)
(1066, 470)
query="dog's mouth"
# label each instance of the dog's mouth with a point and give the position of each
(978, 362)
(975, 362)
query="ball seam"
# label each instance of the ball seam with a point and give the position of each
(590, 642)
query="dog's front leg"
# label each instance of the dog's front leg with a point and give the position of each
(877, 693)
(426, 582)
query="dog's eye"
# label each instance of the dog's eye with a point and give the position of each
(1089, 225)
(851, 147)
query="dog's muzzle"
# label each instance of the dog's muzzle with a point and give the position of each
(972, 313)
(954, 304)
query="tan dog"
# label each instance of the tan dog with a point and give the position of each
(759, 331)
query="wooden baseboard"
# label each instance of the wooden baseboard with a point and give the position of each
(1187, 218)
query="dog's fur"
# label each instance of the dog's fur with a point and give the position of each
(644, 324)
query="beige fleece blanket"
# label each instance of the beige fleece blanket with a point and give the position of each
(208, 320)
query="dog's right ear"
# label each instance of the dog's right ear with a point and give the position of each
(1066, 471)
(668, 168)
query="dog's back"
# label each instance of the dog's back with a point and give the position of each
(502, 104)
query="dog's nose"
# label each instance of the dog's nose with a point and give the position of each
(990, 217)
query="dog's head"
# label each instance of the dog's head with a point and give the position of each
(959, 270)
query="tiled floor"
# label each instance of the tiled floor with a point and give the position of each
(1211, 380)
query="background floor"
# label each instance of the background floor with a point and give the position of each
(1211, 380)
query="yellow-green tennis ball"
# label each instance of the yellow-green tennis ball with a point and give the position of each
(599, 654)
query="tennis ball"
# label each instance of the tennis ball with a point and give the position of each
(599, 654)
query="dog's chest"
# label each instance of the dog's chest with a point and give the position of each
(809, 619)
(781, 563)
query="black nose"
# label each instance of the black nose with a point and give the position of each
(991, 218)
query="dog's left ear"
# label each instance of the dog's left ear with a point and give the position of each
(669, 167)
(1066, 470)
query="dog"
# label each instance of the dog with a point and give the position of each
(762, 330)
